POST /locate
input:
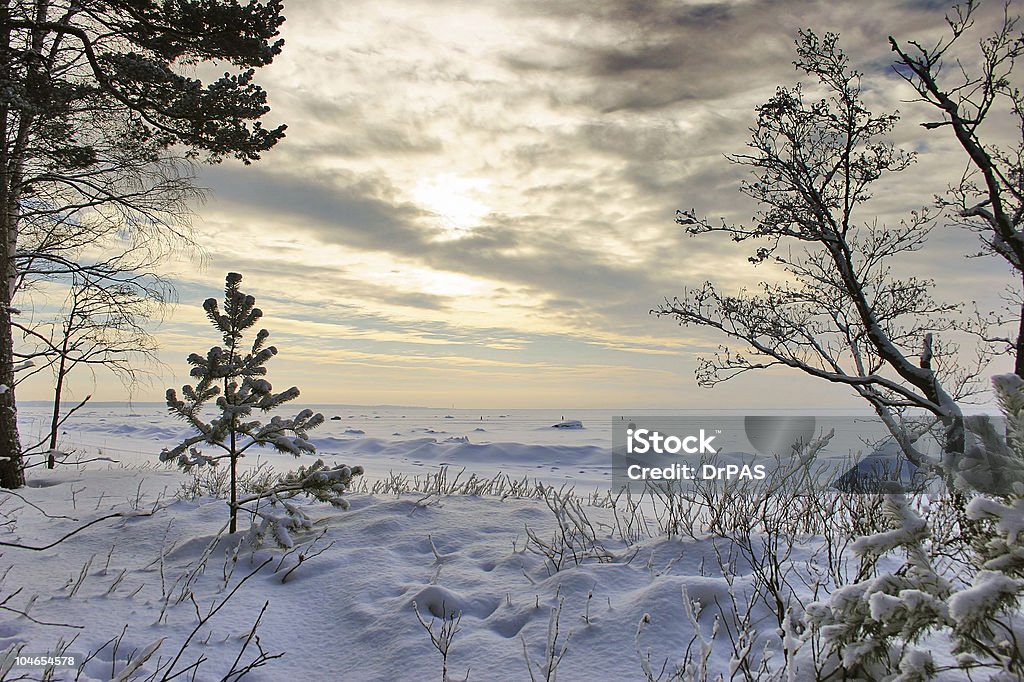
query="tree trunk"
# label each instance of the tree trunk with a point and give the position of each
(1018, 360)
(55, 417)
(234, 480)
(11, 473)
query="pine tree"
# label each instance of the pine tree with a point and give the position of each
(97, 101)
(235, 377)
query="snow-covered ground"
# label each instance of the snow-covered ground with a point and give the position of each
(165, 588)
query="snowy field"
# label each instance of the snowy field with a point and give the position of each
(537, 585)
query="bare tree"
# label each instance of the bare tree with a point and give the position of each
(989, 198)
(102, 325)
(96, 237)
(114, 219)
(842, 314)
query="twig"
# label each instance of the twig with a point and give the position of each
(37, 507)
(213, 611)
(78, 530)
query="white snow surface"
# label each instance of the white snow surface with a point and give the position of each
(346, 613)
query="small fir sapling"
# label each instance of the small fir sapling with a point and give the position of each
(235, 377)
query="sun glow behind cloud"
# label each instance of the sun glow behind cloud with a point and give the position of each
(456, 201)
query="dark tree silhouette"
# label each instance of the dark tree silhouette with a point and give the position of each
(73, 77)
(843, 314)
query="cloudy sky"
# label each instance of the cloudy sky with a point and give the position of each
(474, 202)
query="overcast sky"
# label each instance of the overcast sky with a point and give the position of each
(474, 202)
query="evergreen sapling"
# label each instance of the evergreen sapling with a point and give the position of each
(234, 376)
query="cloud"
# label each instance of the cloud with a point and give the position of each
(525, 252)
(573, 130)
(363, 209)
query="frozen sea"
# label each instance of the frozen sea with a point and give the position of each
(553, 446)
(381, 439)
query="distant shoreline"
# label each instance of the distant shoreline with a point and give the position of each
(566, 411)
